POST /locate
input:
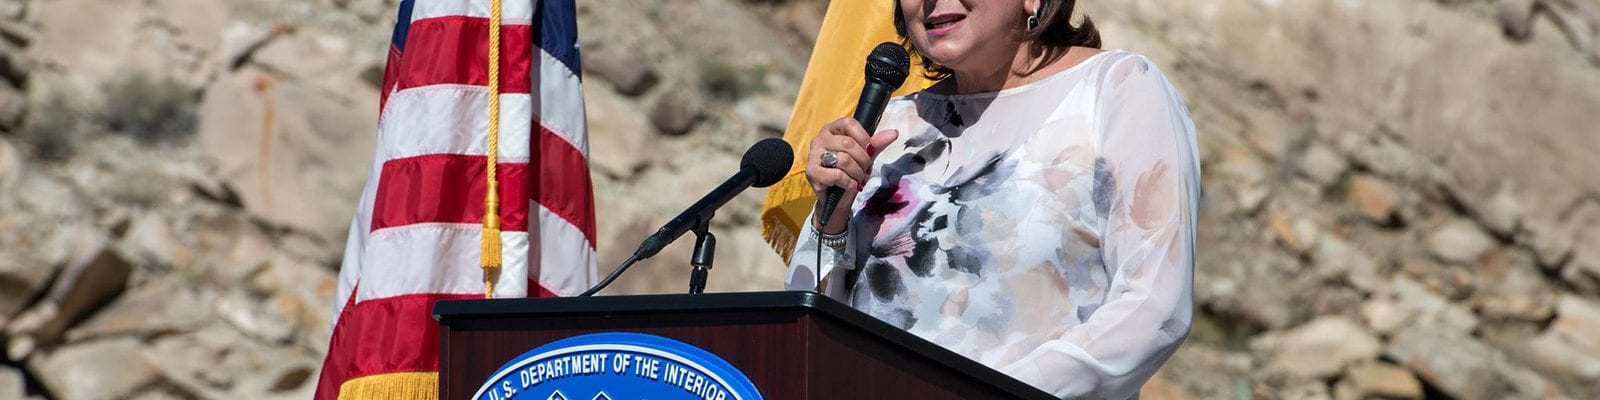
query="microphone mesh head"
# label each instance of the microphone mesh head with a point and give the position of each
(771, 158)
(889, 64)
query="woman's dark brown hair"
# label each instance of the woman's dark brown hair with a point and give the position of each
(1053, 37)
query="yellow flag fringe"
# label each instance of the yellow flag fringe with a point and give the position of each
(392, 386)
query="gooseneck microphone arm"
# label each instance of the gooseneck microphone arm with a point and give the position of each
(763, 165)
(699, 213)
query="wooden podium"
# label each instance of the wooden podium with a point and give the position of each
(792, 345)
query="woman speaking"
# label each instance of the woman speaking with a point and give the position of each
(1034, 210)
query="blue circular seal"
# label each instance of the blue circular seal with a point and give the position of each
(617, 366)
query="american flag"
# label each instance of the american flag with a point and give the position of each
(415, 236)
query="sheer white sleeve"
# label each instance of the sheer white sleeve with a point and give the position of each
(1145, 144)
(805, 265)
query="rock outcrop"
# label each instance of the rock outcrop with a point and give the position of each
(1399, 196)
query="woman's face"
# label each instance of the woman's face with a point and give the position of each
(966, 35)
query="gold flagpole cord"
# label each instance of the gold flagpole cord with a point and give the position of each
(489, 257)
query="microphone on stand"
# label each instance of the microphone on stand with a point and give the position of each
(763, 164)
(887, 67)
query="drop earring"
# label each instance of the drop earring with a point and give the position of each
(1038, 13)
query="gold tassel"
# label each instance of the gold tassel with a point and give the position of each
(489, 249)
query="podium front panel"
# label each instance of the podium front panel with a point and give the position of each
(791, 345)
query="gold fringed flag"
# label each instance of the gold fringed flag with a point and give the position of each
(479, 183)
(829, 91)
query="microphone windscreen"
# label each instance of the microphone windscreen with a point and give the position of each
(771, 158)
(889, 63)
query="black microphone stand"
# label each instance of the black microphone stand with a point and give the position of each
(705, 249)
(761, 166)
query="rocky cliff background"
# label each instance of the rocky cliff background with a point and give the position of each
(1401, 198)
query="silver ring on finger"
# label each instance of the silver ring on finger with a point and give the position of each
(830, 159)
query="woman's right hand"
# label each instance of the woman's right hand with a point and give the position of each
(855, 151)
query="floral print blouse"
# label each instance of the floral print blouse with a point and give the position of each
(1046, 231)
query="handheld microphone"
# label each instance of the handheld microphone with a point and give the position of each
(887, 67)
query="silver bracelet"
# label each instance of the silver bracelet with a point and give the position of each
(835, 242)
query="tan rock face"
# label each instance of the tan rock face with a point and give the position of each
(282, 145)
(628, 75)
(676, 112)
(1583, 270)
(1385, 381)
(216, 362)
(92, 278)
(12, 106)
(106, 369)
(1392, 189)
(73, 33)
(1322, 165)
(1376, 199)
(166, 305)
(152, 239)
(1458, 365)
(126, 258)
(1570, 343)
(12, 385)
(622, 137)
(1460, 242)
(1438, 169)
(1322, 348)
(11, 164)
(22, 276)
(1511, 287)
